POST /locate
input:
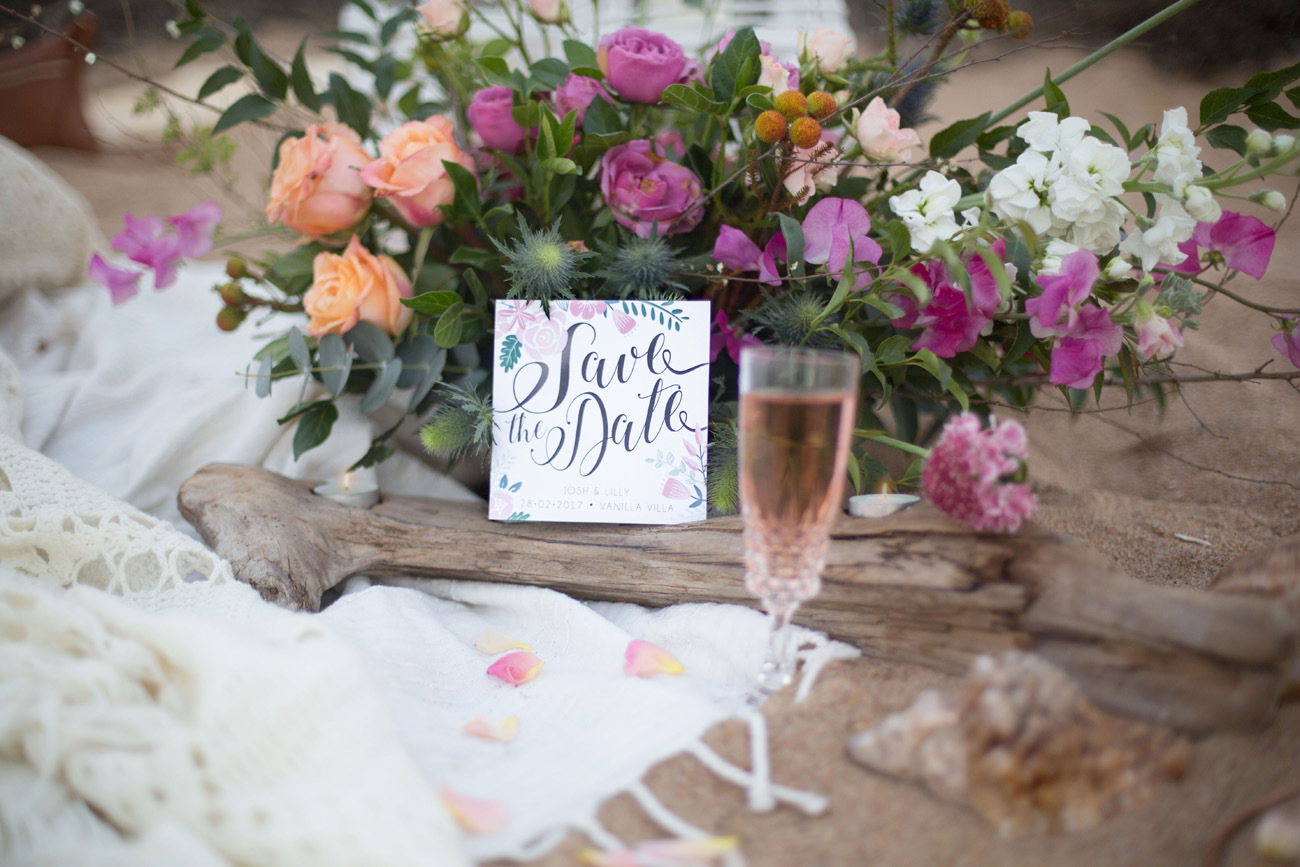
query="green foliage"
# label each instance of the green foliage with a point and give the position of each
(462, 424)
(724, 469)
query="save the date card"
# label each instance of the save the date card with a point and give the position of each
(600, 411)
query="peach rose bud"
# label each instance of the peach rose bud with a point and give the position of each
(516, 668)
(317, 188)
(445, 17)
(494, 641)
(643, 659)
(549, 11)
(488, 729)
(357, 286)
(474, 815)
(410, 171)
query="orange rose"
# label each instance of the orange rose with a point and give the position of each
(410, 173)
(356, 287)
(317, 187)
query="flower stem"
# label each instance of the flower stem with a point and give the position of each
(1107, 49)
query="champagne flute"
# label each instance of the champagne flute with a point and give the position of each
(797, 414)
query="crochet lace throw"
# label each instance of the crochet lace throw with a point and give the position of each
(153, 710)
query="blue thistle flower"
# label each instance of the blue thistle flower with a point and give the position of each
(462, 424)
(916, 17)
(789, 319)
(644, 267)
(541, 265)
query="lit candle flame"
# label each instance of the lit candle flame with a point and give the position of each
(885, 488)
(345, 481)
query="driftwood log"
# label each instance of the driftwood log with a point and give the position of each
(915, 587)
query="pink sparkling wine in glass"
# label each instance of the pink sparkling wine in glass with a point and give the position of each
(793, 450)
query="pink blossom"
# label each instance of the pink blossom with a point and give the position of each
(490, 113)
(576, 93)
(638, 64)
(622, 321)
(1056, 311)
(1156, 335)
(500, 506)
(729, 337)
(675, 490)
(143, 241)
(881, 136)
(1243, 243)
(1287, 342)
(831, 227)
(735, 250)
(643, 659)
(649, 193)
(122, 283)
(951, 322)
(547, 337)
(587, 309)
(970, 474)
(517, 315)
(196, 227)
(1079, 356)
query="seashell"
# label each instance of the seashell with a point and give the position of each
(1277, 836)
(1020, 744)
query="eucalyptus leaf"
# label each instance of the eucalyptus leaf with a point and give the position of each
(314, 427)
(370, 342)
(335, 362)
(262, 382)
(298, 350)
(382, 387)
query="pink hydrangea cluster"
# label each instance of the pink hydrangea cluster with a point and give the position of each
(970, 473)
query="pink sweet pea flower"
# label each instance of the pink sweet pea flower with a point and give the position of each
(951, 322)
(830, 227)
(734, 250)
(882, 138)
(1156, 335)
(1056, 311)
(970, 470)
(1242, 242)
(122, 283)
(1287, 341)
(729, 337)
(1078, 357)
(196, 227)
(142, 241)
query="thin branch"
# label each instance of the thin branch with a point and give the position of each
(1191, 463)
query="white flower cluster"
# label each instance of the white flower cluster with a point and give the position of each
(1065, 185)
(1177, 164)
(928, 211)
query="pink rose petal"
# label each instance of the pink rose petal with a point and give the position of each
(643, 659)
(474, 815)
(502, 730)
(516, 668)
(494, 641)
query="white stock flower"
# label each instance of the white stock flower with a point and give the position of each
(927, 212)
(1158, 244)
(1045, 132)
(829, 47)
(1118, 268)
(1258, 143)
(1271, 199)
(1101, 233)
(1020, 192)
(1176, 152)
(1201, 205)
(1053, 253)
(774, 75)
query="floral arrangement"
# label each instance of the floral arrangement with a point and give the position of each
(795, 193)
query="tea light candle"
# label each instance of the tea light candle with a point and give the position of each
(350, 491)
(879, 505)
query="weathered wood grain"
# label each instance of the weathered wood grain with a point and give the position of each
(915, 587)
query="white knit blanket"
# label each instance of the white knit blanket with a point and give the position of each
(193, 723)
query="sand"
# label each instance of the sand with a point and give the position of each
(1170, 498)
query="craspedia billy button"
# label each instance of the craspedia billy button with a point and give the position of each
(770, 126)
(232, 294)
(792, 104)
(1020, 24)
(991, 14)
(821, 104)
(805, 133)
(228, 318)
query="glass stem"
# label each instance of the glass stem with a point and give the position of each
(779, 663)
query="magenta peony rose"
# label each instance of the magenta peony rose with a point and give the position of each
(639, 64)
(642, 187)
(489, 112)
(575, 93)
